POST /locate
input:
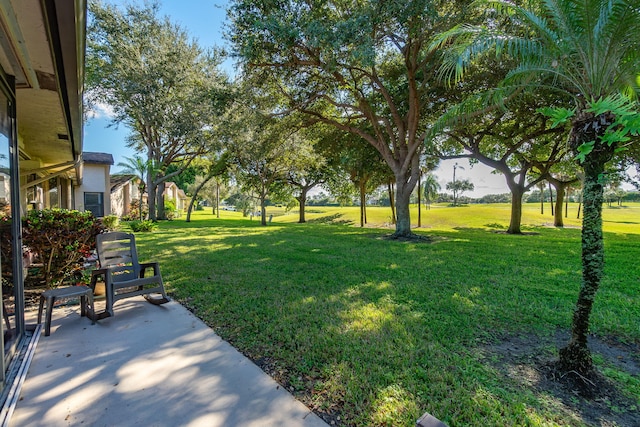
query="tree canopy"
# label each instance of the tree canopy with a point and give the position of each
(349, 63)
(163, 86)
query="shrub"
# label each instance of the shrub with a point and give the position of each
(111, 222)
(170, 210)
(134, 211)
(61, 239)
(142, 226)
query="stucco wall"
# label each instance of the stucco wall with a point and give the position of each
(95, 180)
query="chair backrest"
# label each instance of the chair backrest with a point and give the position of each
(117, 250)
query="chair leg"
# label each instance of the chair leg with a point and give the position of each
(83, 305)
(89, 309)
(108, 287)
(40, 309)
(47, 324)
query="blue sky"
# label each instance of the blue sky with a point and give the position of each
(204, 21)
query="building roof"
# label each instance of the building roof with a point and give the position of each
(97, 158)
(119, 180)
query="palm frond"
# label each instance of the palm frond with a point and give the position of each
(558, 115)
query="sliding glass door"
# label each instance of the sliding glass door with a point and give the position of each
(12, 329)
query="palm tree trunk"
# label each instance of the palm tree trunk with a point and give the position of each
(576, 355)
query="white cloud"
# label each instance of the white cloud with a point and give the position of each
(101, 111)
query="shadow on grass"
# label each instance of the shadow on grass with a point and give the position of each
(529, 360)
(334, 219)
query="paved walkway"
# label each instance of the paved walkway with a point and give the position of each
(148, 366)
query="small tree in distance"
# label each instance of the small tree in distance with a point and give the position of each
(458, 187)
(431, 188)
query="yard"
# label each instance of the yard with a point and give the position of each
(372, 332)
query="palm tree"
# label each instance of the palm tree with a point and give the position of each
(431, 188)
(589, 52)
(139, 168)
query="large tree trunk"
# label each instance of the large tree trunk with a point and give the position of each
(576, 355)
(151, 201)
(190, 208)
(302, 200)
(141, 190)
(558, 221)
(516, 211)
(403, 214)
(161, 214)
(363, 201)
(217, 207)
(263, 210)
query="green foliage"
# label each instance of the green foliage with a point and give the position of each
(61, 239)
(558, 115)
(134, 212)
(142, 226)
(584, 150)
(186, 177)
(170, 209)
(589, 51)
(360, 66)
(111, 222)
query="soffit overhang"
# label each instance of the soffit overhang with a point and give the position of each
(42, 44)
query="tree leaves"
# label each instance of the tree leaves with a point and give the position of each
(559, 115)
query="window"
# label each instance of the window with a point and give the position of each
(94, 202)
(54, 199)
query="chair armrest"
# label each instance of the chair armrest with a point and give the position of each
(95, 274)
(146, 265)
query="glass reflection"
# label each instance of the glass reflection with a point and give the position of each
(6, 245)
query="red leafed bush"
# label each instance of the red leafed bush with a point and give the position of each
(61, 239)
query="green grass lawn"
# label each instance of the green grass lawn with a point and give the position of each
(378, 332)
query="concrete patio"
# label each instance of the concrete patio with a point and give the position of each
(149, 365)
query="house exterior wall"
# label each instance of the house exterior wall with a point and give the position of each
(175, 194)
(122, 196)
(96, 180)
(120, 201)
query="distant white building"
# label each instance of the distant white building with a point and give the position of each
(124, 190)
(94, 194)
(177, 195)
